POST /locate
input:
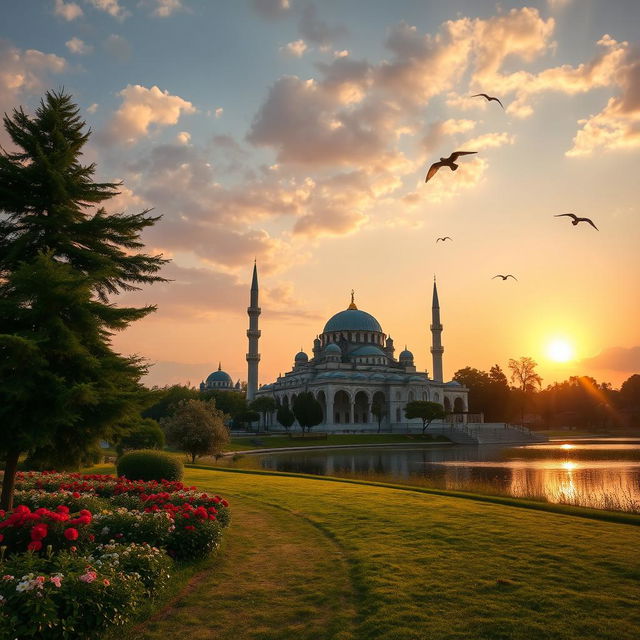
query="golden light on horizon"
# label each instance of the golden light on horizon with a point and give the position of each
(560, 350)
(566, 446)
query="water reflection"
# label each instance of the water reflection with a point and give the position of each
(602, 483)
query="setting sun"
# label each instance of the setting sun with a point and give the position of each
(560, 351)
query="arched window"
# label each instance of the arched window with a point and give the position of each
(411, 396)
(398, 414)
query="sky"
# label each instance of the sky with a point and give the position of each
(299, 133)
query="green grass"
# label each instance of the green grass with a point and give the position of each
(265, 441)
(313, 558)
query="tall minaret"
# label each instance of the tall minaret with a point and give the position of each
(253, 333)
(436, 330)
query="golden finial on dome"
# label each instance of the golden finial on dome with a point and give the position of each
(353, 304)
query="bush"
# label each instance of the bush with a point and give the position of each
(147, 434)
(148, 464)
(35, 499)
(123, 525)
(194, 539)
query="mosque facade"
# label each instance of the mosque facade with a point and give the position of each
(353, 368)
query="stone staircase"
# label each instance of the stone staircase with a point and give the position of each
(487, 433)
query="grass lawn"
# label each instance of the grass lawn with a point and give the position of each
(266, 441)
(311, 558)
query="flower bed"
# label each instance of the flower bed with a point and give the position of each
(67, 570)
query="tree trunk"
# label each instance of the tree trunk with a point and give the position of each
(9, 480)
(193, 458)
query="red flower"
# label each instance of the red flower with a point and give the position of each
(75, 494)
(39, 532)
(91, 537)
(1, 537)
(36, 545)
(190, 527)
(71, 533)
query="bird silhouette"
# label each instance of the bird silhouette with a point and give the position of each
(489, 98)
(446, 162)
(576, 220)
(504, 277)
(443, 239)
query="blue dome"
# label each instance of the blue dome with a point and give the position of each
(301, 356)
(452, 383)
(352, 320)
(406, 355)
(332, 348)
(219, 376)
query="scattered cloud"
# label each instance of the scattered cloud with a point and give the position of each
(448, 184)
(92, 108)
(625, 359)
(111, 7)
(295, 49)
(142, 109)
(271, 9)
(79, 47)
(25, 72)
(67, 10)
(184, 137)
(315, 30)
(165, 8)
(218, 112)
(488, 140)
(118, 47)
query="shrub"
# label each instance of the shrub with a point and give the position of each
(148, 464)
(123, 525)
(193, 539)
(147, 434)
(37, 498)
(64, 596)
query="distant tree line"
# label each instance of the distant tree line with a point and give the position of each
(580, 401)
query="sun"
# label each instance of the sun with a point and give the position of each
(560, 350)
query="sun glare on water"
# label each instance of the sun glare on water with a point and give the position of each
(560, 351)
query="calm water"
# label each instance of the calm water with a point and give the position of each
(560, 472)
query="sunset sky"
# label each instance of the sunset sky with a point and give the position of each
(299, 133)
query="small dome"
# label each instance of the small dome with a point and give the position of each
(301, 356)
(406, 355)
(368, 350)
(453, 383)
(332, 349)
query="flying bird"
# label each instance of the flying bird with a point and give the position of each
(446, 162)
(443, 239)
(575, 220)
(504, 277)
(489, 98)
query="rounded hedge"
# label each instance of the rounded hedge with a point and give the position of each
(149, 464)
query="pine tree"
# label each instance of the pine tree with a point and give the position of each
(60, 260)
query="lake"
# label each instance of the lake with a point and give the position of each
(602, 473)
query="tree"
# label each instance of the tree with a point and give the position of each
(145, 434)
(60, 260)
(523, 373)
(196, 427)
(264, 405)
(166, 399)
(307, 410)
(425, 410)
(379, 411)
(285, 416)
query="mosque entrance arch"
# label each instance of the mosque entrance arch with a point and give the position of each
(458, 405)
(447, 405)
(361, 408)
(341, 407)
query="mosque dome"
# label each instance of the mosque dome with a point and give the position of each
(368, 350)
(406, 355)
(219, 378)
(332, 349)
(301, 356)
(352, 319)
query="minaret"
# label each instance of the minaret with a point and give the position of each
(253, 333)
(436, 330)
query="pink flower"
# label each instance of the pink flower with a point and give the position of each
(56, 580)
(105, 582)
(89, 576)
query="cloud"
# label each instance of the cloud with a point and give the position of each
(295, 49)
(218, 112)
(92, 108)
(489, 140)
(617, 126)
(625, 359)
(271, 9)
(141, 109)
(315, 30)
(164, 8)
(25, 72)
(448, 184)
(77, 46)
(67, 10)
(117, 47)
(111, 7)
(184, 137)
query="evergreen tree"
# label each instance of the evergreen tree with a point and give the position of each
(60, 260)
(285, 416)
(307, 410)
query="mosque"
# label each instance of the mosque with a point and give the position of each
(352, 369)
